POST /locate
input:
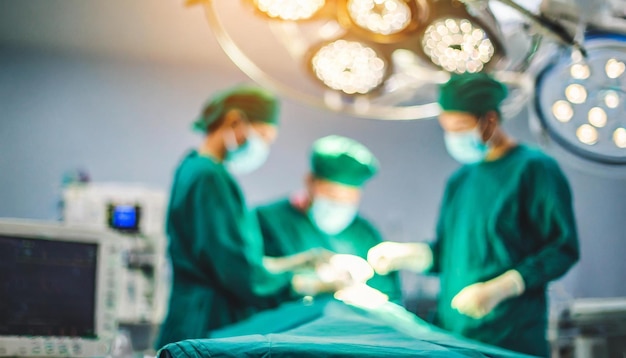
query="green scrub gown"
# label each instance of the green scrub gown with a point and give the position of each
(216, 252)
(287, 231)
(512, 213)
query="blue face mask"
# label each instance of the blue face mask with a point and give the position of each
(332, 217)
(466, 147)
(247, 157)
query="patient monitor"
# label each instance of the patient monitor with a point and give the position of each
(58, 290)
(137, 213)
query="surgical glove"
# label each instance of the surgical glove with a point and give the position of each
(349, 269)
(392, 256)
(479, 299)
(340, 271)
(312, 285)
(362, 295)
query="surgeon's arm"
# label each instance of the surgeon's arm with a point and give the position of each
(227, 244)
(549, 211)
(273, 241)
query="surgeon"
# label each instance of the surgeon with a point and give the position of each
(326, 214)
(506, 225)
(215, 244)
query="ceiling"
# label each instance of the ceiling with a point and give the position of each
(146, 30)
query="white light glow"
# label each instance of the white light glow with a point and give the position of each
(345, 267)
(619, 137)
(383, 17)
(580, 71)
(359, 269)
(597, 117)
(289, 9)
(362, 296)
(587, 134)
(457, 45)
(576, 93)
(349, 66)
(614, 68)
(562, 111)
(611, 99)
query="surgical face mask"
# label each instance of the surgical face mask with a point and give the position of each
(466, 147)
(247, 157)
(332, 217)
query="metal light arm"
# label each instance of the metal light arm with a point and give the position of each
(552, 27)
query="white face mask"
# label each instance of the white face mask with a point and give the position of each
(248, 157)
(332, 217)
(466, 147)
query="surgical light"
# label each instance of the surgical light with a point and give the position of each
(619, 137)
(614, 68)
(289, 9)
(576, 93)
(597, 117)
(579, 71)
(611, 99)
(585, 119)
(349, 66)
(562, 111)
(457, 45)
(383, 17)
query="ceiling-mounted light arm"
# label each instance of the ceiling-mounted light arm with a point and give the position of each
(553, 27)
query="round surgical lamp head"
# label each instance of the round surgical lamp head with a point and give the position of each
(458, 40)
(580, 105)
(457, 45)
(382, 21)
(350, 66)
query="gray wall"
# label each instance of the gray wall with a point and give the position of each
(129, 121)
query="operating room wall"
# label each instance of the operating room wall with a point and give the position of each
(130, 121)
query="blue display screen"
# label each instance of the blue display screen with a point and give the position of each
(124, 217)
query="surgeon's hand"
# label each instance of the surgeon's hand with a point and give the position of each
(479, 299)
(392, 256)
(309, 284)
(349, 269)
(362, 295)
(338, 272)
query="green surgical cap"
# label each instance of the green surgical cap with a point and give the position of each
(342, 160)
(476, 93)
(257, 103)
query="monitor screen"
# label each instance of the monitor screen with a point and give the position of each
(47, 288)
(124, 217)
